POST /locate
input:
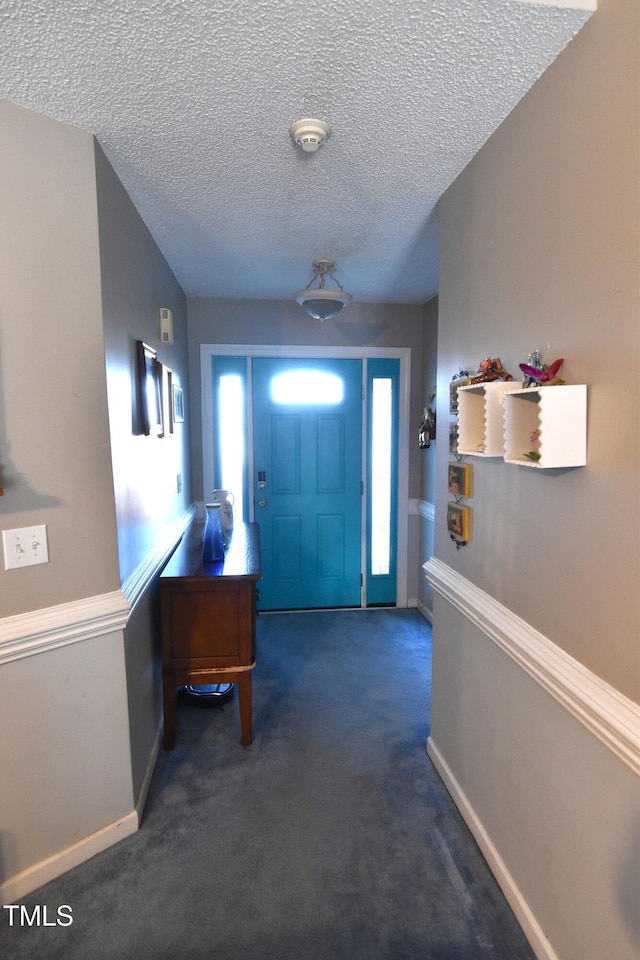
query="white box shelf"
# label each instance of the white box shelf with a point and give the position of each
(480, 418)
(559, 414)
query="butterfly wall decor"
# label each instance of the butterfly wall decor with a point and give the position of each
(543, 376)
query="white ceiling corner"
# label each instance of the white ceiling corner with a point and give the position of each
(192, 101)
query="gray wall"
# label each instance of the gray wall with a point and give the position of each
(82, 280)
(55, 464)
(136, 282)
(66, 772)
(540, 249)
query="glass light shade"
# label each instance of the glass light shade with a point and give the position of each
(323, 304)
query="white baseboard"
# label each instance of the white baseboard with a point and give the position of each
(530, 926)
(146, 780)
(424, 610)
(40, 873)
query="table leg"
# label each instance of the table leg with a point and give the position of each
(244, 695)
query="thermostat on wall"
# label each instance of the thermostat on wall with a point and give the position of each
(166, 325)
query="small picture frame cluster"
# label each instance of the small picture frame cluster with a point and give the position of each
(160, 399)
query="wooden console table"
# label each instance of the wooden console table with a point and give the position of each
(208, 620)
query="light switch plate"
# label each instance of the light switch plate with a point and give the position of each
(25, 546)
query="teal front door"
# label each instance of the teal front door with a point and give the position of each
(307, 424)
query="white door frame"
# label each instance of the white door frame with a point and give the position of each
(403, 354)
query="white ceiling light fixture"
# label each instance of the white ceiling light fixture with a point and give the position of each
(319, 302)
(310, 134)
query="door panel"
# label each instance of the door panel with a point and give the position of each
(309, 510)
(285, 533)
(285, 455)
(331, 455)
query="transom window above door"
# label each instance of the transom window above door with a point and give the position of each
(312, 387)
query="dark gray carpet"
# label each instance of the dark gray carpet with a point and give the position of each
(331, 838)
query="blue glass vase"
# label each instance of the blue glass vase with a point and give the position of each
(212, 545)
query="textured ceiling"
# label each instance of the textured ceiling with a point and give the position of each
(192, 101)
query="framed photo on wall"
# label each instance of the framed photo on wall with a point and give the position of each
(150, 402)
(178, 404)
(453, 396)
(460, 475)
(453, 437)
(167, 402)
(459, 520)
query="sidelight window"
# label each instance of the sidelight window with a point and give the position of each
(230, 434)
(382, 480)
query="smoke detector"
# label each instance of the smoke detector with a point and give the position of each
(310, 134)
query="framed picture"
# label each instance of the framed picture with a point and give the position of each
(453, 397)
(453, 437)
(167, 401)
(460, 475)
(459, 520)
(178, 404)
(458, 381)
(150, 399)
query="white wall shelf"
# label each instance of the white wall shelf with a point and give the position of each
(480, 419)
(559, 414)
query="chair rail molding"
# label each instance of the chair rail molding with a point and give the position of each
(613, 718)
(426, 510)
(154, 560)
(27, 634)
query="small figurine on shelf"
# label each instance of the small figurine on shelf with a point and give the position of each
(534, 453)
(488, 370)
(538, 374)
